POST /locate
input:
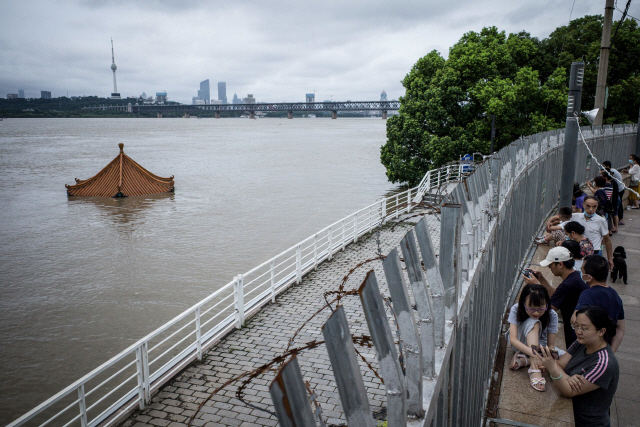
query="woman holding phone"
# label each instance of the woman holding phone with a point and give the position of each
(588, 372)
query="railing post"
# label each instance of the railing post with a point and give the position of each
(273, 282)
(397, 210)
(315, 251)
(238, 294)
(140, 376)
(409, 200)
(298, 265)
(198, 334)
(383, 211)
(83, 406)
(355, 228)
(145, 372)
(344, 242)
(330, 248)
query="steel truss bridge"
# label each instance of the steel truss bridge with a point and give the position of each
(290, 107)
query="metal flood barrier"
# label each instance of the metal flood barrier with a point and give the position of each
(127, 381)
(450, 338)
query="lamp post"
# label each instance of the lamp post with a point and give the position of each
(571, 133)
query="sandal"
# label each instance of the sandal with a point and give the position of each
(520, 360)
(540, 241)
(537, 381)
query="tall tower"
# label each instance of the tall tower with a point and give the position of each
(222, 92)
(115, 94)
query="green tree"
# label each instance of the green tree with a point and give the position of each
(442, 114)
(580, 41)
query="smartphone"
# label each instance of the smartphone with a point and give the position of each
(554, 352)
(528, 272)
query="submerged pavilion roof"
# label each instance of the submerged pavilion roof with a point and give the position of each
(121, 178)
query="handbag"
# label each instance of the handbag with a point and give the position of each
(634, 183)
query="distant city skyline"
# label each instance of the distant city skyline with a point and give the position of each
(350, 50)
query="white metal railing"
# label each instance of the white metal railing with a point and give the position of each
(128, 379)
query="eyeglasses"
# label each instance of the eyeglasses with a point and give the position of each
(539, 310)
(579, 328)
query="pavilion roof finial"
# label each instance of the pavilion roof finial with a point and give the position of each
(121, 145)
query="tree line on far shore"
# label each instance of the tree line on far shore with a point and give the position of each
(446, 111)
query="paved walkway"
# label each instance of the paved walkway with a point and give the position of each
(520, 403)
(266, 336)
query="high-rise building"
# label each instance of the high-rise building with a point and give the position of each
(311, 97)
(236, 100)
(204, 93)
(222, 92)
(12, 96)
(383, 96)
(45, 94)
(249, 99)
(161, 97)
(20, 93)
(115, 94)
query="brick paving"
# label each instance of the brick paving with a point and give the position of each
(266, 336)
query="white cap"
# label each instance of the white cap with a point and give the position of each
(557, 254)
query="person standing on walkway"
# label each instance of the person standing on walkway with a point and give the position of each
(634, 171)
(588, 372)
(595, 226)
(618, 180)
(595, 272)
(565, 297)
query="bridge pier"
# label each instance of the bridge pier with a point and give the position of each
(252, 114)
(187, 115)
(159, 115)
(217, 114)
(334, 114)
(290, 115)
(384, 115)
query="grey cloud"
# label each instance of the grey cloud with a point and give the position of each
(276, 50)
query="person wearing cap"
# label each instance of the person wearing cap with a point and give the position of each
(595, 272)
(565, 297)
(596, 228)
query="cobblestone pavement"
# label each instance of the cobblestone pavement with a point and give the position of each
(266, 336)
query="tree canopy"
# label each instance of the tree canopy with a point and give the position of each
(522, 80)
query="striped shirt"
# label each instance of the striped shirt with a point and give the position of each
(599, 368)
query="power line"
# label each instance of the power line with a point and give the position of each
(624, 15)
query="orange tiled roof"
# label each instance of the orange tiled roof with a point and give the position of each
(121, 178)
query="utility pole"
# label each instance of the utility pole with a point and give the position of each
(603, 67)
(571, 133)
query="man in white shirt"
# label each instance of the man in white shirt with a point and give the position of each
(595, 227)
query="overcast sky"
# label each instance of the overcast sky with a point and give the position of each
(276, 50)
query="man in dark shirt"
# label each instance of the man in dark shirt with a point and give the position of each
(595, 271)
(565, 297)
